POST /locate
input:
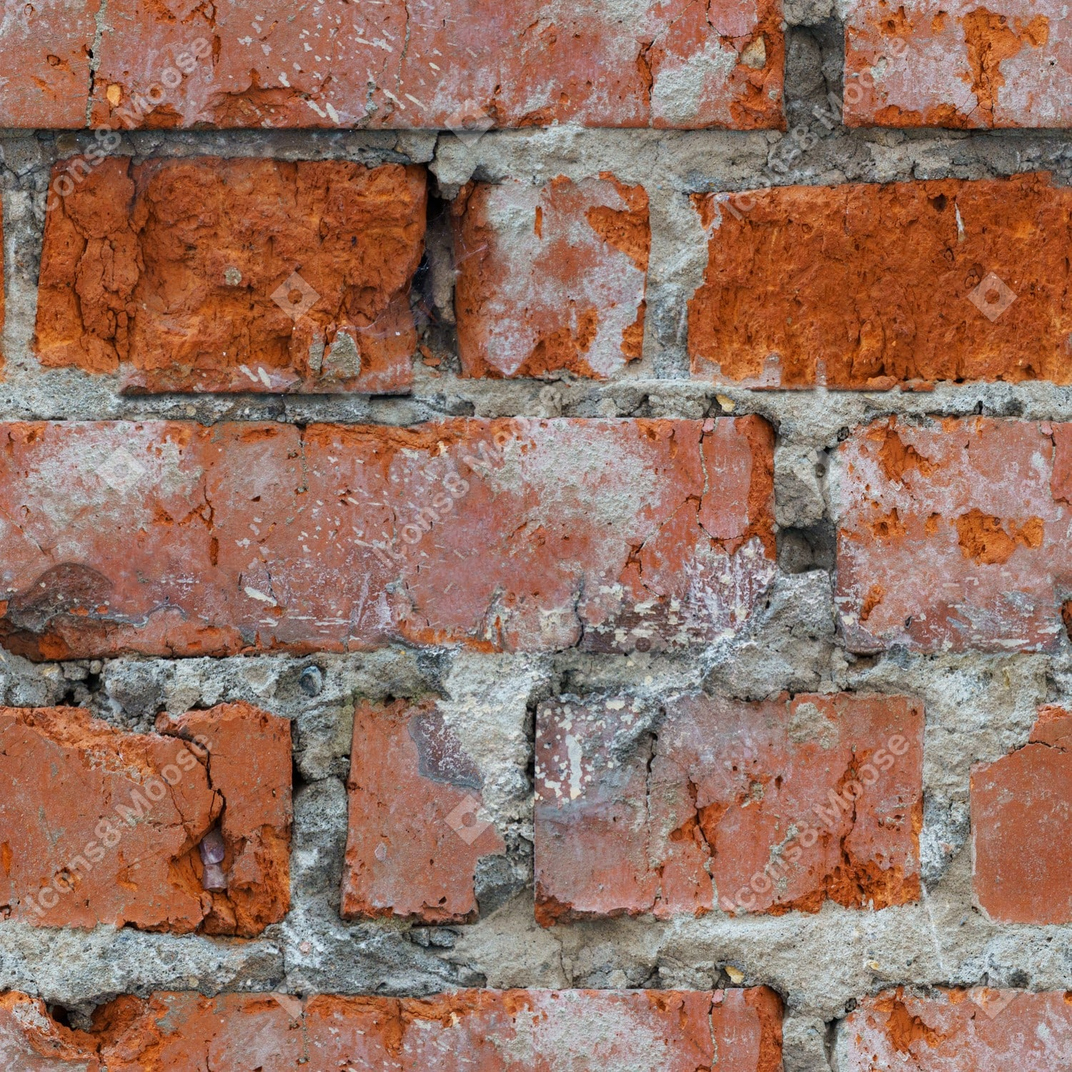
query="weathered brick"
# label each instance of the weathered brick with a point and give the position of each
(869, 286)
(44, 57)
(953, 536)
(958, 65)
(760, 807)
(1020, 810)
(978, 1030)
(177, 539)
(472, 1030)
(232, 275)
(102, 826)
(410, 64)
(550, 279)
(416, 828)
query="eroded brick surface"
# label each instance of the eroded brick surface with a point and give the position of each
(1021, 806)
(44, 57)
(550, 279)
(977, 1030)
(931, 63)
(416, 827)
(869, 286)
(762, 807)
(102, 826)
(174, 538)
(953, 535)
(472, 1030)
(413, 64)
(233, 275)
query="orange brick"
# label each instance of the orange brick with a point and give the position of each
(550, 279)
(952, 536)
(869, 286)
(180, 539)
(962, 65)
(404, 64)
(978, 1030)
(761, 807)
(472, 1030)
(103, 826)
(232, 275)
(1020, 807)
(416, 828)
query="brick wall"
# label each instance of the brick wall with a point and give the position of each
(535, 536)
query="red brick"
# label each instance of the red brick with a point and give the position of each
(727, 803)
(1020, 810)
(44, 57)
(399, 65)
(103, 826)
(472, 1030)
(416, 828)
(869, 286)
(978, 1030)
(550, 279)
(169, 273)
(952, 536)
(932, 64)
(179, 539)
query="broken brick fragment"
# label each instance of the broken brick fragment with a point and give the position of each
(468, 1031)
(550, 279)
(206, 274)
(103, 826)
(416, 828)
(705, 802)
(1020, 808)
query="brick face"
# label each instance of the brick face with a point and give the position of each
(472, 1030)
(978, 1030)
(410, 66)
(1020, 806)
(106, 827)
(550, 279)
(959, 65)
(173, 538)
(232, 275)
(749, 807)
(869, 286)
(417, 831)
(984, 502)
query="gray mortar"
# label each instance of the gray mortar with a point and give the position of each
(978, 707)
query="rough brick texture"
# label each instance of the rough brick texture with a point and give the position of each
(102, 826)
(173, 538)
(985, 504)
(416, 828)
(419, 64)
(550, 279)
(979, 1030)
(232, 275)
(869, 286)
(751, 807)
(1020, 809)
(958, 65)
(472, 1030)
